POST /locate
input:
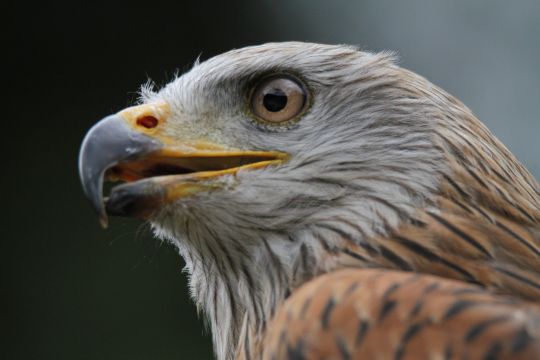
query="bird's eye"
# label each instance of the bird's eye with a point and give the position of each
(278, 99)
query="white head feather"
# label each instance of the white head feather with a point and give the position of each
(362, 159)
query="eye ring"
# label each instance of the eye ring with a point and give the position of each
(278, 99)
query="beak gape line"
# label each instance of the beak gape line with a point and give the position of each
(157, 170)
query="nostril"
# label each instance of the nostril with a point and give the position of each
(148, 121)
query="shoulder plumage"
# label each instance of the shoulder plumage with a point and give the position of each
(368, 313)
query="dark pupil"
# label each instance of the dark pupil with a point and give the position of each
(275, 100)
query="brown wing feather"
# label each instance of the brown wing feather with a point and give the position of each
(498, 255)
(479, 231)
(487, 231)
(482, 228)
(383, 314)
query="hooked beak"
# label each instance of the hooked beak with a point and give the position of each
(131, 146)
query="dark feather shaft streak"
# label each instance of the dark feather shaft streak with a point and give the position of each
(476, 322)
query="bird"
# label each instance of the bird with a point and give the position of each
(329, 204)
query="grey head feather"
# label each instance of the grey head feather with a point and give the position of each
(362, 159)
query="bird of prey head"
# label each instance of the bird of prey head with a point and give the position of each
(271, 165)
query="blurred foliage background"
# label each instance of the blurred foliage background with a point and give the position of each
(75, 291)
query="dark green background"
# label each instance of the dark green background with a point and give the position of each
(75, 291)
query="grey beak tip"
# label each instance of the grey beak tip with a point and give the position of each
(106, 144)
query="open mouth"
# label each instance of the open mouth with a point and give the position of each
(154, 170)
(155, 180)
(200, 165)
